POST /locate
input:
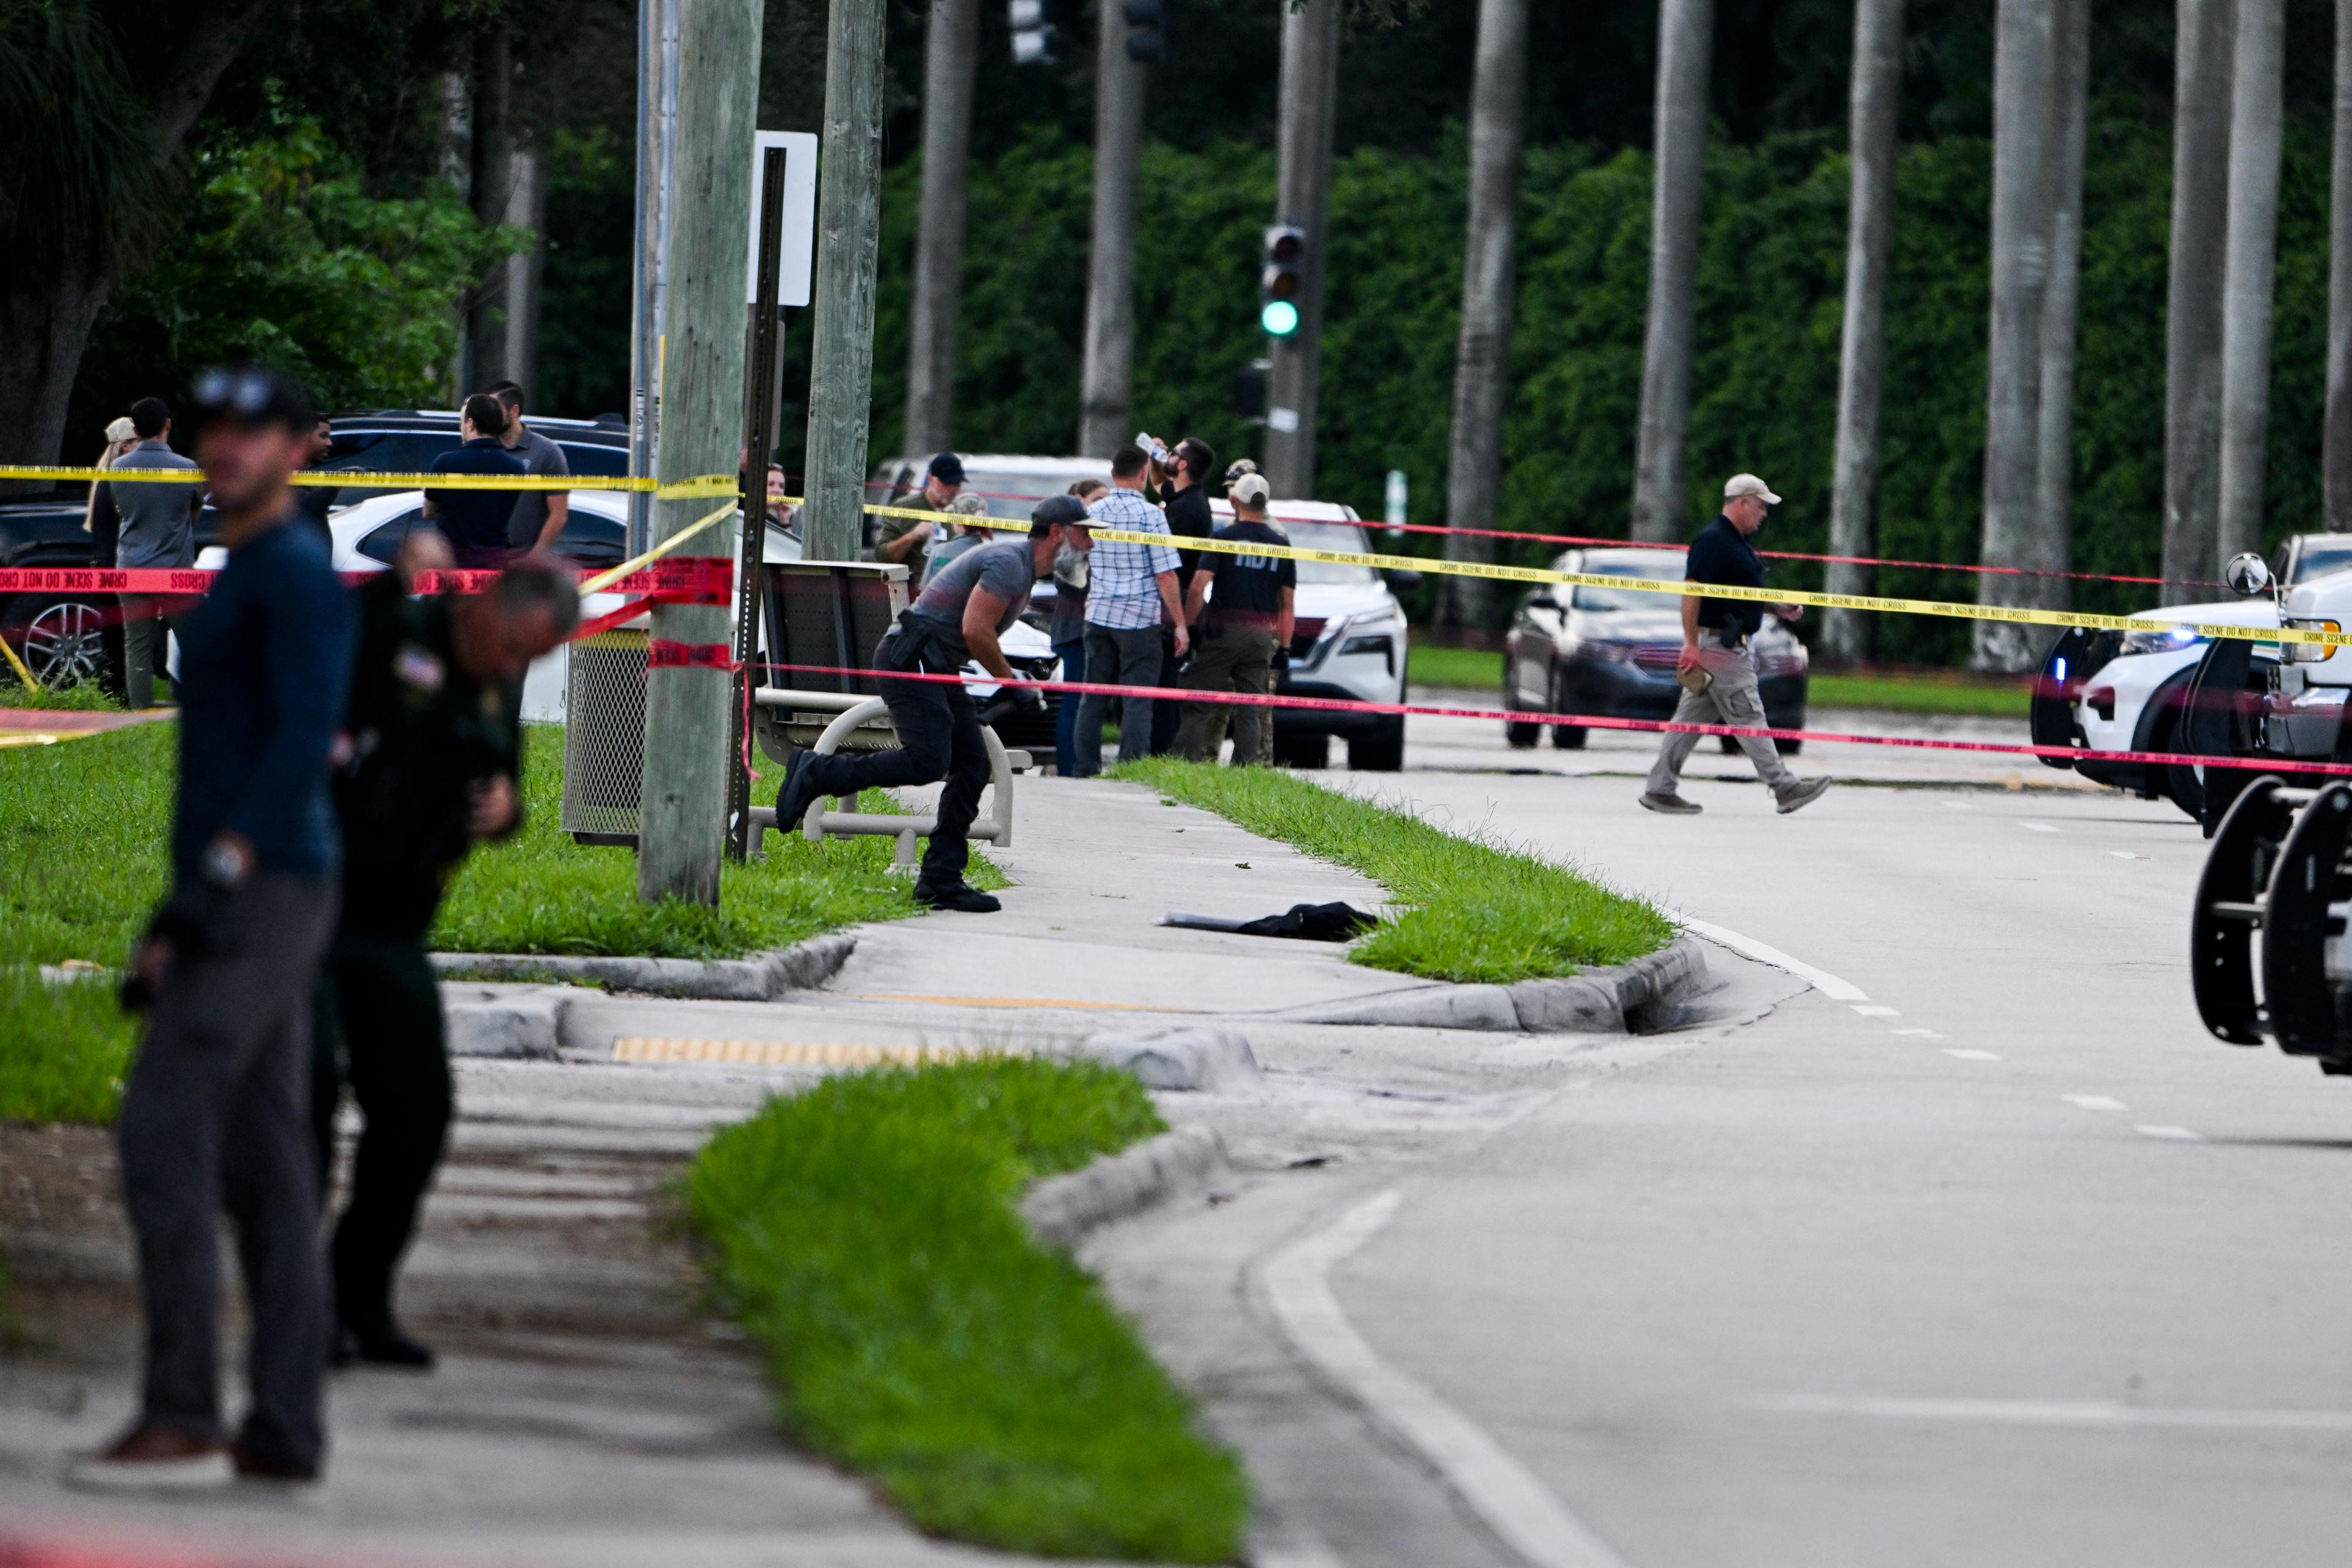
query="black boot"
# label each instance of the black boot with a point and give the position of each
(957, 895)
(798, 793)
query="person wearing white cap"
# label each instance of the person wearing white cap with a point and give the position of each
(1717, 668)
(1237, 637)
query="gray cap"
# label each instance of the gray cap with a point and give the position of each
(1740, 485)
(1054, 509)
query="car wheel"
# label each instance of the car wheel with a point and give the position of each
(1519, 736)
(62, 641)
(1569, 737)
(1380, 751)
(1296, 750)
(1787, 748)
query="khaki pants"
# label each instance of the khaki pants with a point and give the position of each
(1231, 658)
(1730, 698)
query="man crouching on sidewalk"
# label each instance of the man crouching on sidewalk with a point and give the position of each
(957, 618)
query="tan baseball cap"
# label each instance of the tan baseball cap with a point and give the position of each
(1748, 484)
(1250, 489)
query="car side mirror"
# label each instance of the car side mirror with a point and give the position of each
(2248, 575)
(1403, 579)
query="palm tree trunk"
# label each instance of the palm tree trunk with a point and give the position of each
(2050, 547)
(1685, 41)
(951, 54)
(1104, 395)
(1473, 471)
(491, 181)
(2256, 77)
(2192, 327)
(1875, 113)
(2023, 40)
(2335, 460)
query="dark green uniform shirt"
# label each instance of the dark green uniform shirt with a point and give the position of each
(423, 732)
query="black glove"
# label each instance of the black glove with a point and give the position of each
(1026, 699)
(192, 923)
(1282, 664)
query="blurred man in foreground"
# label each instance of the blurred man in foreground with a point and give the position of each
(431, 767)
(214, 1111)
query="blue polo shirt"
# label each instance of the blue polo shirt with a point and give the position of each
(265, 662)
(475, 522)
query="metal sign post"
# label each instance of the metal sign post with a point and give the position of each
(759, 439)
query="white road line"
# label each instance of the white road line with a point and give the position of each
(2092, 1103)
(1921, 1034)
(1956, 805)
(1296, 1550)
(2037, 827)
(2065, 1413)
(2126, 855)
(1502, 1491)
(2180, 1134)
(1873, 1010)
(1821, 980)
(1969, 1056)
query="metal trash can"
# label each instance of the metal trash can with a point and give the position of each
(604, 737)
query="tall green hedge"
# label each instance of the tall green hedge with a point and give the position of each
(1770, 291)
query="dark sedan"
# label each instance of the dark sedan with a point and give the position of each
(1611, 652)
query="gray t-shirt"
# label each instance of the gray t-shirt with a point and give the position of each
(157, 518)
(1007, 569)
(540, 456)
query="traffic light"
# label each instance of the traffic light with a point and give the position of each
(1033, 33)
(1145, 18)
(1284, 280)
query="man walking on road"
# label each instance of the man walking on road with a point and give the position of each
(1131, 594)
(436, 730)
(957, 619)
(157, 531)
(1240, 632)
(215, 1113)
(1718, 668)
(539, 515)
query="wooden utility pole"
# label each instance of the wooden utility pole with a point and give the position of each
(950, 54)
(849, 227)
(2335, 446)
(1482, 353)
(2023, 37)
(2050, 547)
(682, 828)
(1686, 45)
(1307, 95)
(489, 184)
(2192, 317)
(1104, 403)
(1874, 124)
(2257, 75)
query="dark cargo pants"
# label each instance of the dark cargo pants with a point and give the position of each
(938, 738)
(1231, 658)
(215, 1116)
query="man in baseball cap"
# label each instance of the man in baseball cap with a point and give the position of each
(908, 540)
(1241, 634)
(1718, 668)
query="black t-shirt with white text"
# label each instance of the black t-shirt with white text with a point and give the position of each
(1246, 590)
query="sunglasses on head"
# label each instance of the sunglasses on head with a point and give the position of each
(245, 392)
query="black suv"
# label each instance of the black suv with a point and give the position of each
(61, 635)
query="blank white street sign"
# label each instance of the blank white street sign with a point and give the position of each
(799, 252)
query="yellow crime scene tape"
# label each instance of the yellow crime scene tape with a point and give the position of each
(699, 487)
(2013, 613)
(636, 562)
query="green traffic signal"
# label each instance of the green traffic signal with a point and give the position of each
(1278, 317)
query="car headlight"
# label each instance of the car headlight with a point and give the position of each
(2167, 639)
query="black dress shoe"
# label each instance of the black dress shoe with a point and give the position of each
(957, 895)
(798, 793)
(381, 1347)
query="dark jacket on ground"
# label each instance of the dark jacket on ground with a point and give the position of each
(423, 733)
(265, 660)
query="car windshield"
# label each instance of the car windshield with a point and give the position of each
(2318, 557)
(1014, 493)
(1328, 536)
(1662, 568)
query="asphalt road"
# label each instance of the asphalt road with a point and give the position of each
(2010, 1263)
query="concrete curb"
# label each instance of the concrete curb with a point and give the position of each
(1617, 997)
(763, 978)
(1177, 1059)
(1062, 1209)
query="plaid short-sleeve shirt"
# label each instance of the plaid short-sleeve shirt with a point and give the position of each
(1122, 590)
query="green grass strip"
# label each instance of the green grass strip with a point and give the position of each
(1426, 664)
(63, 1048)
(1476, 909)
(84, 698)
(83, 860)
(864, 1233)
(1924, 692)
